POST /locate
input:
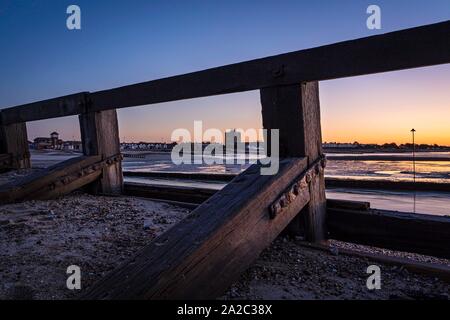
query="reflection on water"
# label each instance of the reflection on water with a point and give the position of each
(426, 171)
(437, 203)
(440, 154)
(426, 202)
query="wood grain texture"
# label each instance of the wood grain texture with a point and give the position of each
(203, 254)
(100, 136)
(46, 184)
(14, 141)
(52, 108)
(295, 112)
(171, 193)
(410, 48)
(417, 233)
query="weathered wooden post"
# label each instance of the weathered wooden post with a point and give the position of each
(295, 111)
(14, 144)
(100, 136)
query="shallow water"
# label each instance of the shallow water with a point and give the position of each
(426, 171)
(426, 202)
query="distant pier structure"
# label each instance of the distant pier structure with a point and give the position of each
(203, 254)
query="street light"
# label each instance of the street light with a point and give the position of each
(414, 154)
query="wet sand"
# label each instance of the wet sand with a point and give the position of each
(40, 239)
(289, 271)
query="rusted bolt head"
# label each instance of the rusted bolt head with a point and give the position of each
(317, 169)
(296, 189)
(278, 71)
(275, 209)
(291, 195)
(303, 183)
(284, 201)
(308, 177)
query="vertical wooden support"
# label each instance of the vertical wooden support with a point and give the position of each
(100, 136)
(14, 141)
(295, 111)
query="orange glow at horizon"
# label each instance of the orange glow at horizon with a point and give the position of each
(383, 108)
(380, 108)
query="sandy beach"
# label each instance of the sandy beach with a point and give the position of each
(40, 239)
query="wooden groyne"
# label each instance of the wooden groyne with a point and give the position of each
(381, 184)
(203, 254)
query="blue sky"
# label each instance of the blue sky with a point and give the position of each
(123, 42)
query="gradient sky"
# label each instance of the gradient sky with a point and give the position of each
(132, 41)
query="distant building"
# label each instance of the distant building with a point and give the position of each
(52, 142)
(341, 145)
(76, 146)
(147, 146)
(233, 139)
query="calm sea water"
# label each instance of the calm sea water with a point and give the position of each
(437, 203)
(422, 202)
(426, 171)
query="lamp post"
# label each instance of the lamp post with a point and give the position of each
(414, 154)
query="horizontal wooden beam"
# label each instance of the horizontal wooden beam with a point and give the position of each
(329, 182)
(411, 48)
(170, 193)
(198, 195)
(70, 105)
(225, 177)
(386, 185)
(417, 233)
(347, 204)
(201, 256)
